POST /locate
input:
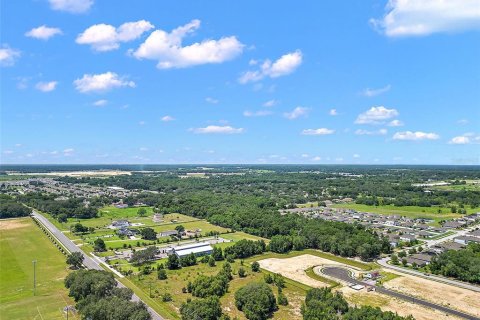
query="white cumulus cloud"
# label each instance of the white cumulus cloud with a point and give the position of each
(168, 50)
(100, 103)
(284, 65)
(43, 32)
(333, 112)
(467, 138)
(415, 136)
(259, 113)
(395, 123)
(46, 86)
(167, 118)
(375, 92)
(270, 103)
(105, 37)
(362, 132)
(8, 56)
(101, 82)
(211, 100)
(376, 115)
(217, 130)
(318, 132)
(424, 17)
(72, 6)
(296, 113)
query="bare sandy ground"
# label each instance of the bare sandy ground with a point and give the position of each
(387, 303)
(454, 297)
(94, 173)
(10, 224)
(294, 268)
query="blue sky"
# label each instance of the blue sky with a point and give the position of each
(367, 82)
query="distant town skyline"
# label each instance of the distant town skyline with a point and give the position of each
(370, 82)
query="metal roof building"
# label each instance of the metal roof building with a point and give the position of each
(198, 249)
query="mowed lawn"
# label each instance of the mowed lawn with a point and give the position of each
(21, 241)
(408, 211)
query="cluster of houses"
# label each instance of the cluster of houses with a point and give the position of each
(123, 228)
(64, 190)
(424, 258)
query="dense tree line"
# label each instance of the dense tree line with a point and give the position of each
(10, 208)
(61, 209)
(463, 264)
(141, 256)
(326, 305)
(256, 300)
(207, 286)
(203, 309)
(289, 185)
(97, 297)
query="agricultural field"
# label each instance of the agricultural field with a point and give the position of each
(16, 273)
(408, 211)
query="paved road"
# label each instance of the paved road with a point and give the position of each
(344, 275)
(384, 263)
(88, 262)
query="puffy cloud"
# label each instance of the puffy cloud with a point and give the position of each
(296, 113)
(270, 103)
(318, 132)
(424, 17)
(285, 65)
(217, 130)
(395, 123)
(467, 138)
(375, 92)
(415, 136)
(333, 112)
(317, 158)
(376, 115)
(211, 100)
(43, 32)
(356, 156)
(72, 6)
(260, 113)
(68, 152)
(167, 48)
(100, 103)
(460, 140)
(105, 37)
(8, 56)
(362, 132)
(46, 86)
(101, 82)
(167, 118)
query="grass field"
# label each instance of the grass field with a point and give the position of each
(177, 279)
(408, 211)
(21, 241)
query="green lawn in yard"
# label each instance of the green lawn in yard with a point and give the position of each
(239, 235)
(408, 211)
(21, 241)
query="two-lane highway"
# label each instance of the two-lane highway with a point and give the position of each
(345, 276)
(88, 262)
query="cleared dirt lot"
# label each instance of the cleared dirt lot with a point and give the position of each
(11, 224)
(387, 303)
(454, 297)
(294, 268)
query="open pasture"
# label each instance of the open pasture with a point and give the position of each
(21, 242)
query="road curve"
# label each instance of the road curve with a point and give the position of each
(344, 275)
(88, 262)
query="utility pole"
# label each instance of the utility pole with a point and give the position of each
(34, 276)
